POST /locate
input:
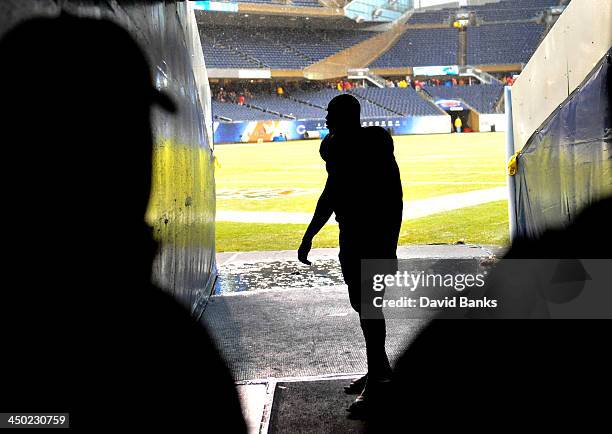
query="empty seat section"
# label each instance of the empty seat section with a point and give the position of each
(237, 112)
(401, 100)
(502, 43)
(421, 47)
(482, 97)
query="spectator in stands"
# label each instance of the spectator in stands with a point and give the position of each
(402, 84)
(280, 91)
(221, 95)
(241, 99)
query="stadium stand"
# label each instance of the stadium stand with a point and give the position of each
(307, 3)
(235, 112)
(502, 43)
(482, 97)
(506, 10)
(501, 15)
(505, 32)
(402, 101)
(299, 3)
(321, 97)
(277, 48)
(219, 56)
(319, 44)
(289, 107)
(303, 105)
(421, 47)
(259, 44)
(512, 10)
(432, 17)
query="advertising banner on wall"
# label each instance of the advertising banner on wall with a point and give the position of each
(450, 105)
(436, 70)
(278, 130)
(216, 6)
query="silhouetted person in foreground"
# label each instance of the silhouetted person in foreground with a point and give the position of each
(507, 375)
(364, 191)
(85, 330)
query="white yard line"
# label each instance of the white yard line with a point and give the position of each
(412, 210)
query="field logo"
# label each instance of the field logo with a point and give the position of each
(261, 193)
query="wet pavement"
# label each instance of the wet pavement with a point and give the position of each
(253, 276)
(277, 270)
(274, 318)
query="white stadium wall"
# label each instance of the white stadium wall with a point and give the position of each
(572, 48)
(562, 118)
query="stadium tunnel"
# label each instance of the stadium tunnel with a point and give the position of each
(182, 205)
(458, 109)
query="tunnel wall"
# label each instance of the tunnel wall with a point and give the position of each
(566, 165)
(574, 45)
(182, 204)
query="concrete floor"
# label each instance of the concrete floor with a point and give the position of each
(274, 318)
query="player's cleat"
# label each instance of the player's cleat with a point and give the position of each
(356, 386)
(372, 397)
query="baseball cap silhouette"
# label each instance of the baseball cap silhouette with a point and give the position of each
(43, 47)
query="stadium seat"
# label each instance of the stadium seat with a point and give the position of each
(402, 101)
(271, 47)
(421, 47)
(289, 107)
(432, 17)
(235, 112)
(482, 97)
(502, 43)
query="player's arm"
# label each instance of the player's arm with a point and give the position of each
(322, 213)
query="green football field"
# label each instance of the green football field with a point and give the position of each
(284, 178)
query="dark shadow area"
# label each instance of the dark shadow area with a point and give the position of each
(85, 330)
(513, 374)
(312, 407)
